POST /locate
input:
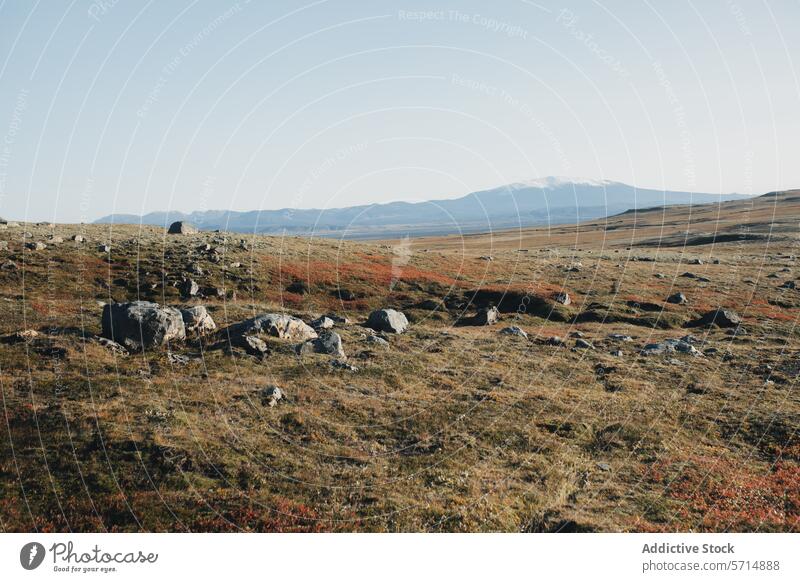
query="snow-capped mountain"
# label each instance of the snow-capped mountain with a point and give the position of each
(549, 200)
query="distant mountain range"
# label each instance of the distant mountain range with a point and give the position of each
(552, 200)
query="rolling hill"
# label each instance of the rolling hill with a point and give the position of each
(546, 201)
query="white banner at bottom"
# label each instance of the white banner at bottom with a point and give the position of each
(372, 557)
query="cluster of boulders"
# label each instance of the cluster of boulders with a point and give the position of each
(142, 325)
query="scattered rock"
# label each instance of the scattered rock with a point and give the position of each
(620, 337)
(328, 342)
(103, 249)
(141, 324)
(555, 341)
(321, 323)
(273, 324)
(387, 320)
(342, 365)
(563, 298)
(271, 395)
(250, 344)
(197, 320)
(9, 266)
(35, 246)
(79, 238)
(112, 346)
(677, 298)
(669, 346)
(182, 227)
(486, 316)
(188, 288)
(178, 359)
(583, 344)
(338, 319)
(514, 330)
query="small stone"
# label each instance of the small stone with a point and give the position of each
(563, 298)
(514, 330)
(112, 346)
(486, 316)
(677, 298)
(342, 365)
(328, 342)
(271, 395)
(321, 323)
(188, 288)
(182, 227)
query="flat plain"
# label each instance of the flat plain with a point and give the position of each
(604, 407)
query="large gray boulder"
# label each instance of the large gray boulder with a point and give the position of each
(328, 342)
(182, 227)
(141, 324)
(198, 320)
(387, 320)
(274, 324)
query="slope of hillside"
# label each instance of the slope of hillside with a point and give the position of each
(546, 201)
(600, 400)
(771, 216)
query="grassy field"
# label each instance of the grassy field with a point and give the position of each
(452, 427)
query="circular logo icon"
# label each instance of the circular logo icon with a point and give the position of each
(31, 555)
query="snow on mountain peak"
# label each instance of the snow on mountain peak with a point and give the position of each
(551, 182)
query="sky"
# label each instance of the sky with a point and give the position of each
(121, 106)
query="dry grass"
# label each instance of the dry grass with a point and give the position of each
(450, 429)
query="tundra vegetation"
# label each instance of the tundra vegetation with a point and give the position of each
(637, 373)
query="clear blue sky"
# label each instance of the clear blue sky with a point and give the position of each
(134, 106)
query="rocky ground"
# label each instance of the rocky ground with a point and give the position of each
(569, 379)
